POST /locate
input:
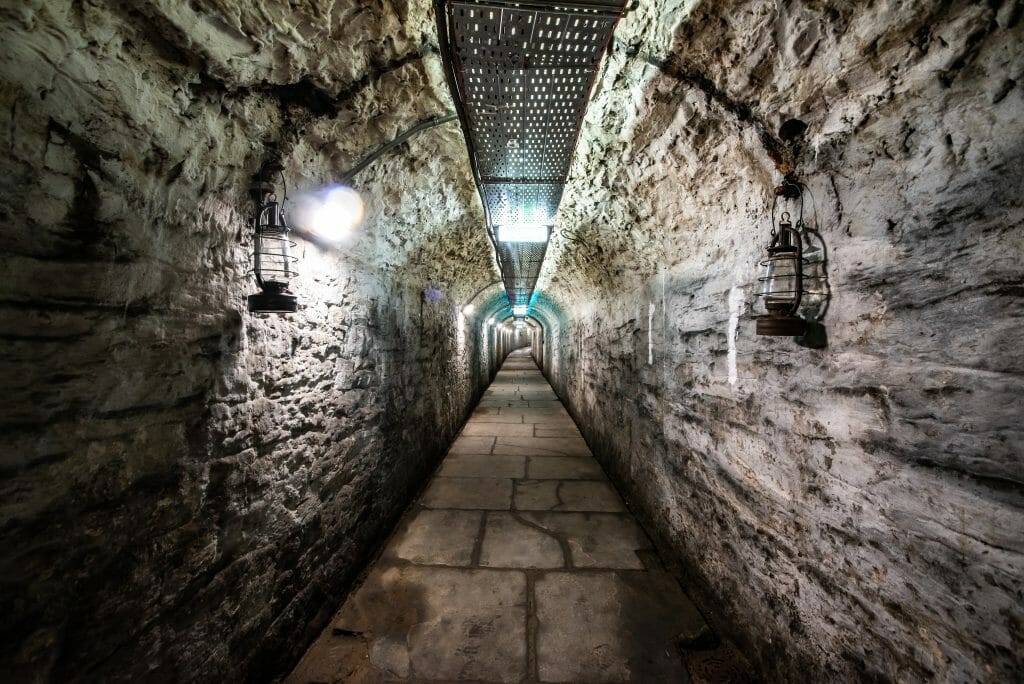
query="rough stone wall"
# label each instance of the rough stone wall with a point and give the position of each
(854, 512)
(186, 488)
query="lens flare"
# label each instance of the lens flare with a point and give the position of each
(329, 214)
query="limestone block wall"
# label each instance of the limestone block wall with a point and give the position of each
(852, 512)
(186, 488)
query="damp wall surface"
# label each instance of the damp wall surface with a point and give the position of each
(845, 513)
(187, 489)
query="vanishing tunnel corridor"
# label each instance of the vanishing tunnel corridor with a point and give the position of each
(758, 264)
(519, 563)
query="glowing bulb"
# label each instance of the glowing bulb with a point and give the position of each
(329, 214)
(468, 309)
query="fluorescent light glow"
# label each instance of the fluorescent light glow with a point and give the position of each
(519, 310)
(331, 213)
(523, 232)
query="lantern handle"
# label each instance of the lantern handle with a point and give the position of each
(790, 189)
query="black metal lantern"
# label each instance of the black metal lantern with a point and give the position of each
(781, 285)
(273, 264)
(782, 282)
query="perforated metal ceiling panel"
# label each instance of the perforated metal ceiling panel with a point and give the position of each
(521, 75)
(509, 203)
(522, 262)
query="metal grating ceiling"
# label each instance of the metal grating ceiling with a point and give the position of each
(521, 265)
(521, 73)
(521, 202)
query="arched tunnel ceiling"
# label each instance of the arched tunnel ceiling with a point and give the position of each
(521, 76)
(327, 84)
(683, 128)
(631, 198)
(322, 85)
(423, 221)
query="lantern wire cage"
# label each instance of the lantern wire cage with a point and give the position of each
(782, 223)
(787, 270)
(273, 263)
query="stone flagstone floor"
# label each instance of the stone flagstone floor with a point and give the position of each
(519, 563)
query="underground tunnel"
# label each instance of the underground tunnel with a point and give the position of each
(512, 341)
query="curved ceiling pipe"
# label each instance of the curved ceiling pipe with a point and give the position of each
(425, 125)
(327, 215)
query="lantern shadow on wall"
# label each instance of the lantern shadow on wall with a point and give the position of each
(794, 283)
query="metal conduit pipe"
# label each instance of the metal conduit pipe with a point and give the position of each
(432, 122)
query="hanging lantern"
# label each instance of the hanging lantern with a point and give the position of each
(782, 282)
(273, 264)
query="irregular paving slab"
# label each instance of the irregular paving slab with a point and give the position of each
(537, 395)
(494, 416)
(498, 429)
(446, 623)
(511, 542)
(556, 430)
(609, 627)
(483, 465)
(441, 537)
(552, 421)
(472, 445)
(539, 446)
(563, 468)
(469, 492)
(546, 402)
(567, 495)
(578, 630)
(588, 495)
(436, 607)
(596, 540)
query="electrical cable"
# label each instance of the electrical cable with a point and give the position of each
(386, 147)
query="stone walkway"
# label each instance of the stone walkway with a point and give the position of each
(519, 563)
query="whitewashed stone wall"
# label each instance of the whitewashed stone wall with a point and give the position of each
(851, 513)
(187, 489)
